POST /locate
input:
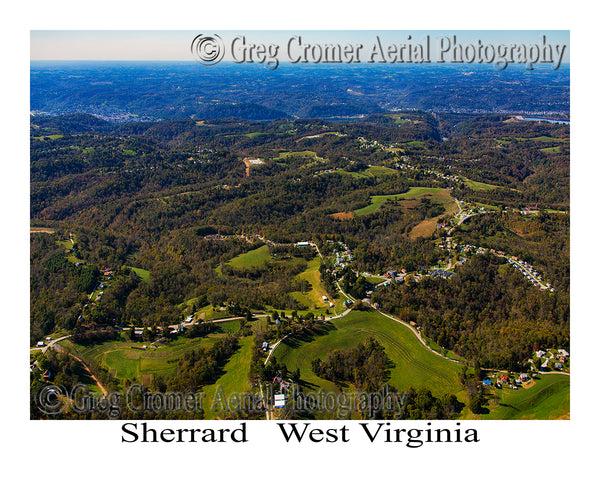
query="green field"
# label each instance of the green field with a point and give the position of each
(473, 185)
(372, 172)
(68, 245)
(548, 399)
(252, 259)
(550, 150)
(123, 361)
(414, 365)
(378, 200)
(313, 300)
(254, 134)
(234, 379)
(486, 206)
(51, 137)
(301, 154)
(143, 274)
(543, 139)
(374, 280)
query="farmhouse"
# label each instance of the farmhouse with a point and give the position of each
(279, 400)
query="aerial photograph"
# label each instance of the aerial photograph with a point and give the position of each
(299, 225)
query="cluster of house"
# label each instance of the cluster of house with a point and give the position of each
(556, 360)
(522, 266)
(467, 248)
(438, 273)
(528, 271)
(107, 274)
(506, 380)
(364, 143)
(42, 343)
(328, 170)
(395, 276)
(343, 257)
(529, 210)
(452, 178)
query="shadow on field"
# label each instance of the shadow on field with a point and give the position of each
(306, 336)
(509, 406)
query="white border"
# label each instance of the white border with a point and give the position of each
(521, 449)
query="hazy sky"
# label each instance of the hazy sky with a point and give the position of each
(175, 45)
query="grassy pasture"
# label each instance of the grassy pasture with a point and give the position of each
(233, 380)
(473, 185)
(542, 139)
(315, 296)
(374, 171)
(143, 274)
(548, 399)
(437, 194)
(252, 259)
(414, 365)
(51, 137)
(301, 154)
(123, 361)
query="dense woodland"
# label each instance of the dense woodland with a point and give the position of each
(486, 313)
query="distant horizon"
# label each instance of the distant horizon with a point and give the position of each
(174, 46)
(231, 62)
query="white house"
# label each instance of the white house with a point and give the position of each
(279, 400)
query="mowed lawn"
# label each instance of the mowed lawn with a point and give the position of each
(252, 259)
(414, 365)
(234, 379)
(548, 399)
